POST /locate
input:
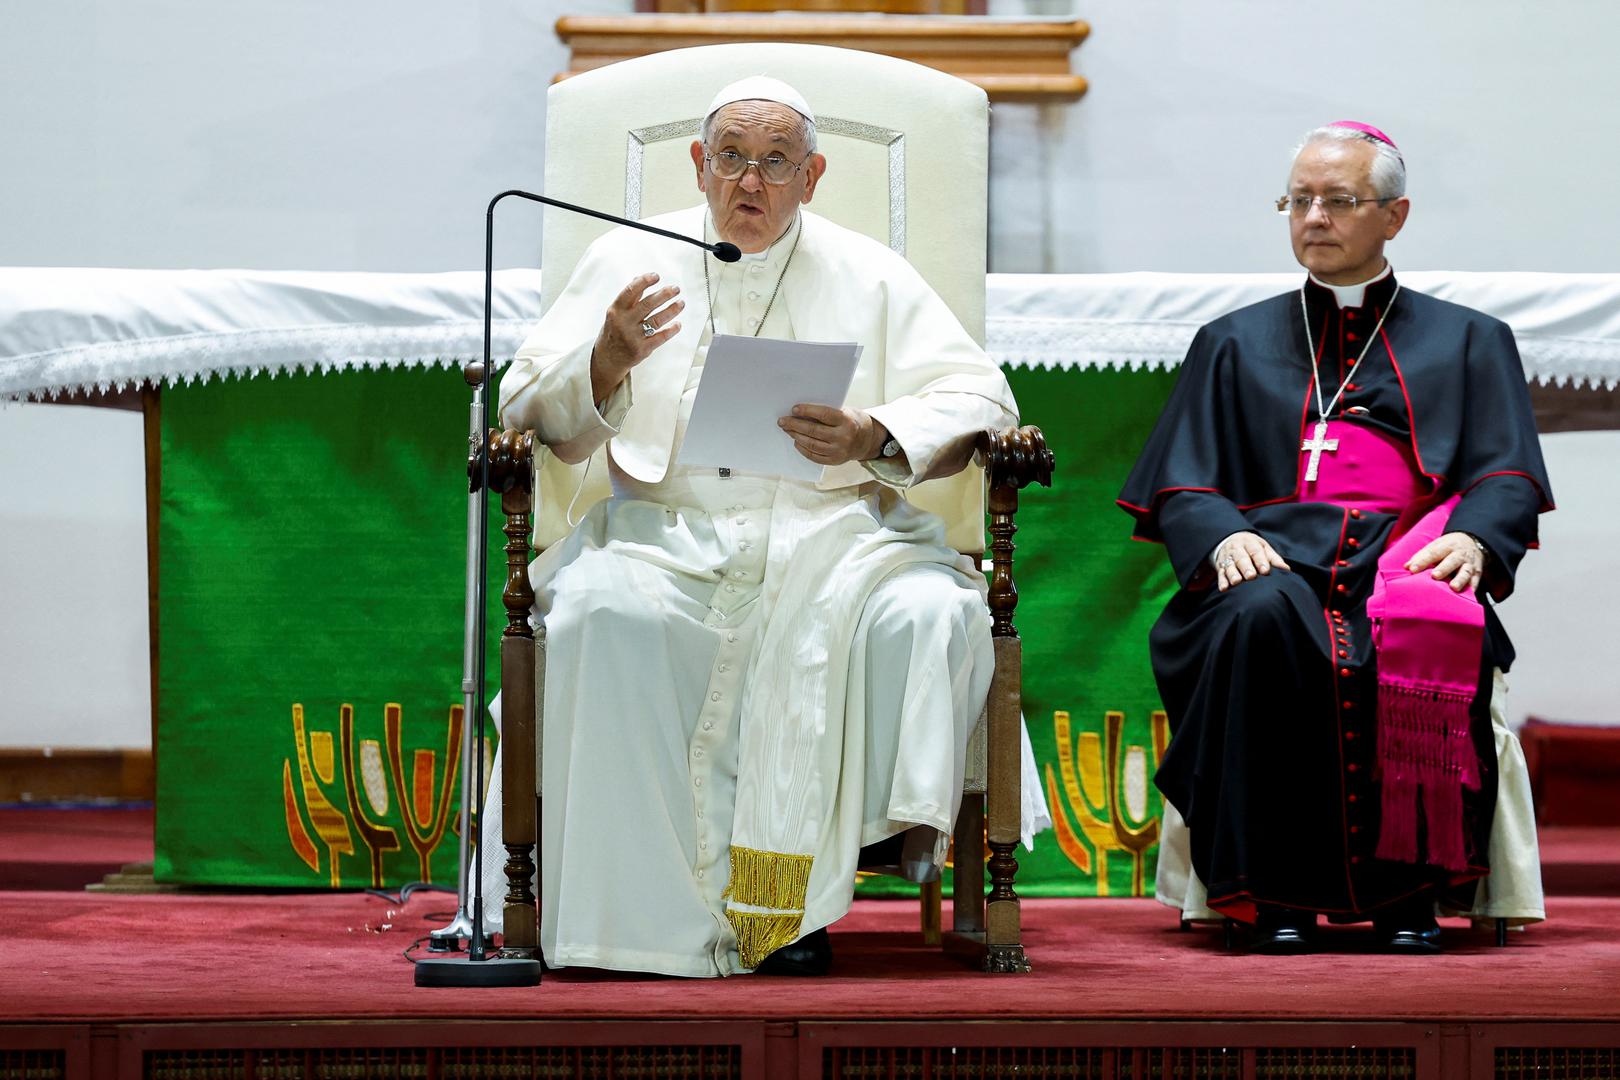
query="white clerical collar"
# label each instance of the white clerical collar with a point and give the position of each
(1350, 296)
(771, 256)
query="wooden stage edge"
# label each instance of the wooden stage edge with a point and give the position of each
(50, 774)
(810, 1050)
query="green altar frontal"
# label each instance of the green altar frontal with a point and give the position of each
(311, 575)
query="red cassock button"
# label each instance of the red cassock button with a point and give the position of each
(1343, 654)
(1350, 736)
(1349, 704)
(1352, 767)
(1355, 858)
(1344, 673)
(1350, 798)
(1350, 315)
(1351, 336)
(1353, 542)
(1336, 613)
(1355, 513)
(1339, 587)
(1355, 828)
(1343, 562)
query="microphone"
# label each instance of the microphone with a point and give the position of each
(728, 253)
(480, 968)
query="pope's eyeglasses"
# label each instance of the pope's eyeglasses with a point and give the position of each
(773, 168)
(1335, 205)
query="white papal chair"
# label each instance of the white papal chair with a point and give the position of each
(909, 151)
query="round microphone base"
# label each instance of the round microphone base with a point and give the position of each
(461, 971)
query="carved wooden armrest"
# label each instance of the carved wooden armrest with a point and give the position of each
(1013, 458)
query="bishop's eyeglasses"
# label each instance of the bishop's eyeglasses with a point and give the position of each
(773, 168)
(1335, 205)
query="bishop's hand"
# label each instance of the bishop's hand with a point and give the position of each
(1454, 555)
(637, 322)
(1244, 556)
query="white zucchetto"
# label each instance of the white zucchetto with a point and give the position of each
(761, 88)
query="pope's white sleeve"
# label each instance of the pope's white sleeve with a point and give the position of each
(547, 388)
(550, 393)
(942, 389)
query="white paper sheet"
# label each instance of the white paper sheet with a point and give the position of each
(748, 384)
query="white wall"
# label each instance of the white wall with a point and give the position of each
(74, 667)
(300, 134)
(311, 134)
(1563, 615)
(1503, 110)
(368, 135)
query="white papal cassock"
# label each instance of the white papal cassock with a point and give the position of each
(748, 679)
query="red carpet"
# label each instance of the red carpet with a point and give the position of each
(88, 956)
(233, 985)
(51, 847)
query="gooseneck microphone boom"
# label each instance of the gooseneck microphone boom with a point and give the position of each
(480, 968)
(723, 251)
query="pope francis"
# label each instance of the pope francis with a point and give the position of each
(749, 678)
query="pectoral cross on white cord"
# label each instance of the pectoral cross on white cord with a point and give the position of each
(1316, 444)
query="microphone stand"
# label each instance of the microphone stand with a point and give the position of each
(448, 939)
(482, 967)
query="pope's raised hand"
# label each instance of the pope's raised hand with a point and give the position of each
(637, 322)
(1244, 556)
(829, 436)
(1455, 555)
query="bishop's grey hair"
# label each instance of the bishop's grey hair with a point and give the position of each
(1388, 173)
(807, 127)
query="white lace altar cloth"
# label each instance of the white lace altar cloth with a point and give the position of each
(65, 330)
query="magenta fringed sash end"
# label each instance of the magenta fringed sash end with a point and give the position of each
(1425, 752)
(1428, 639)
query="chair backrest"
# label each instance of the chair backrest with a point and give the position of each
(907, 166)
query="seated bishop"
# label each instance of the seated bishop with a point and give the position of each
(749, 678)
(1345, 478)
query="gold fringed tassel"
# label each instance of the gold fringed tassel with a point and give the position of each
(769, 879)
(775, 881)
(759, 934)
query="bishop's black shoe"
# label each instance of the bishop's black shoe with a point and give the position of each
(1282, 931)
(810, 955)
(1409, 928)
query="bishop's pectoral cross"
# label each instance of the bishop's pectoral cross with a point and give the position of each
(1316, 444)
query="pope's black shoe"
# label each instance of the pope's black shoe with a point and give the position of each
(810, 955)
(1281, 931)
(1409, 929)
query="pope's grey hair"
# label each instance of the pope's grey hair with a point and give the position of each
(1388, 172)
(807, 126)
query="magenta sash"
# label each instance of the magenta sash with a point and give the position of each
(1428, 641)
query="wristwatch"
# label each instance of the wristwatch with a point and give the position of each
(891, 448)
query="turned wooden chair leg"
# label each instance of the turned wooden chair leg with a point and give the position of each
(930, 895)
(967, 892)
(520, 918)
